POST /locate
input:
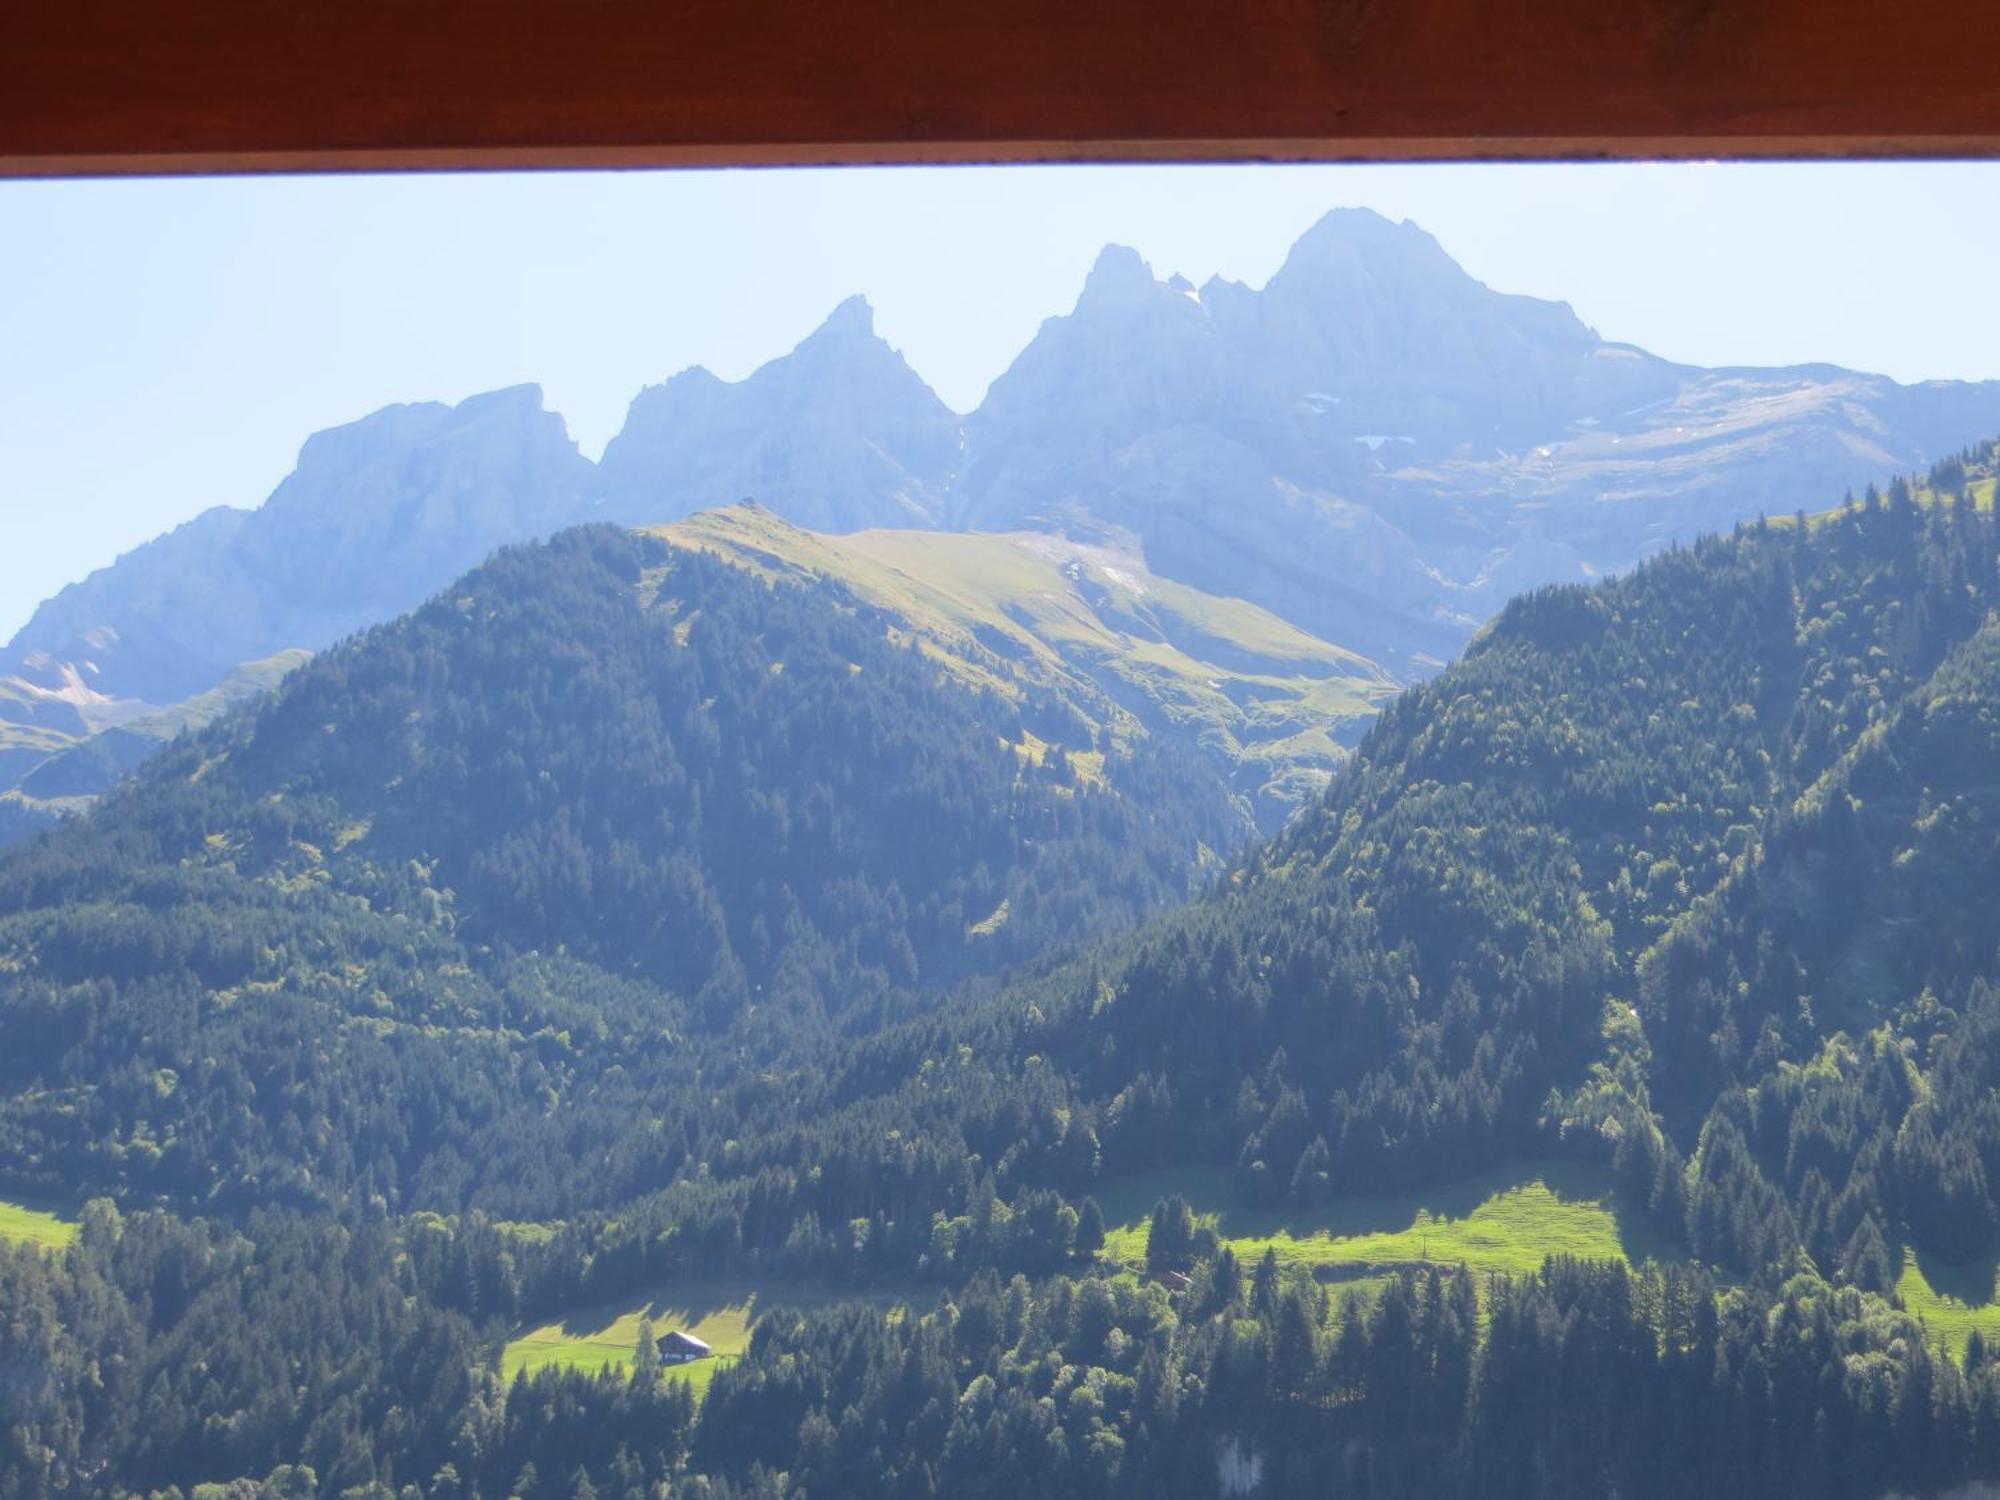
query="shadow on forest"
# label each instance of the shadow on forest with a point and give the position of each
(677, 1307)
(686, 1305)
(1971, 1283)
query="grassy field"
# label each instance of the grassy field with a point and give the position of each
(19, 1222)
(1951, 1300)
(720, 1312)
(1508, 1219)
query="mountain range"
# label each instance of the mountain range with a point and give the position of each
(1374, 448)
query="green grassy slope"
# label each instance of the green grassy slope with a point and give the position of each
(245, 681)
(1951, 1301)
(1507, 1220)
(721, 1312)
(19, 1222)
(1274, 704)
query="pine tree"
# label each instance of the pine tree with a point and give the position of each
(1089, 1229)
(1295, 1348)
(1865, 1262)
(1264, 1287)
(1170, 1236)
(1228, 1284)
(646, 1356)
(1312, 1180)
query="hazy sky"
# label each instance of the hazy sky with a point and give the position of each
(166, 346)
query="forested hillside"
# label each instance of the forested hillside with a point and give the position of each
(1676, 866)
(462, 905)
(1690, 874)
(1272, 709)
(311, 1360)
(452, 994)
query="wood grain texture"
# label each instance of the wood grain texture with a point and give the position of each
(187, 85)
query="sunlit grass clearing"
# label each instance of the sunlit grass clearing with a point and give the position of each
(1507, 1220)
(19, 1222)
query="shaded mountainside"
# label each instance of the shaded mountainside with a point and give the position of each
(513, 850)
(1700, 863)
(1272, 708)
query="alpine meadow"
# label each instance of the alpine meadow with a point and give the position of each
(1347, 890)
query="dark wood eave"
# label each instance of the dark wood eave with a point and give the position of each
(148, 86)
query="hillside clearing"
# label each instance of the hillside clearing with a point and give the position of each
(722, 1313)
(35, 1226)
(1951, 1301)
(1507, 1220)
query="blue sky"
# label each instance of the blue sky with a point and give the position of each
(166, 346)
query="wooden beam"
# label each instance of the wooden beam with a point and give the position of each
(131, 86)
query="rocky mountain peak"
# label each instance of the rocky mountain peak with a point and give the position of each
(376, 514)
(1356, 265)
(1360, 237)
(840, 434)
(844, 349)
(1118, 278)
(854, 318)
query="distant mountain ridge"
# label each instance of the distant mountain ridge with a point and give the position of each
(839, 435)
(1375, 447)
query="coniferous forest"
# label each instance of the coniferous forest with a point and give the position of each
(622, 920)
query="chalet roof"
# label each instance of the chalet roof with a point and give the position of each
(684, 1343)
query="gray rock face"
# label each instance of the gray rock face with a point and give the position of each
(377, 515)
(839, 435)
(1381, 449)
